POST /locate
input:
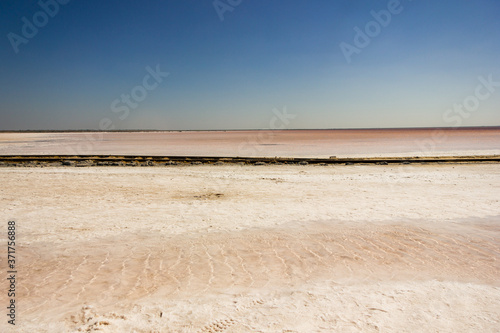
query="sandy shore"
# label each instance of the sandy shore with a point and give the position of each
(255, 249)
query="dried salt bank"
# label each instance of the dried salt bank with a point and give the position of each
(256, 248)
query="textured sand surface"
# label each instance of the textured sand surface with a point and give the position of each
(255, 249)
(265, 143)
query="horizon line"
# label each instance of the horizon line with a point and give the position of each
(252, 129)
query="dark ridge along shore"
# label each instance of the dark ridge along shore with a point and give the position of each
(115, 160)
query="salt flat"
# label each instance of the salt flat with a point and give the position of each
(271, 248)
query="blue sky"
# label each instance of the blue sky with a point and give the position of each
(264, 55)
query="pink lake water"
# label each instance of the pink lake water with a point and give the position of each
(262, 143)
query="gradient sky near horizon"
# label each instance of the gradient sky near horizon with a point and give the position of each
(232, 73)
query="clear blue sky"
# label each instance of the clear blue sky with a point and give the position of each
(264, 55)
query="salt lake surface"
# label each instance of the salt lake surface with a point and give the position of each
(260, 143)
